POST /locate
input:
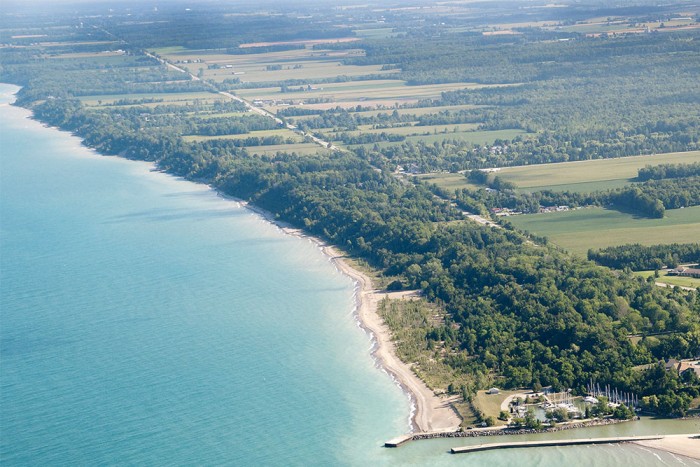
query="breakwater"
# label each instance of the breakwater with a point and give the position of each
(548, 443)
(396, 442)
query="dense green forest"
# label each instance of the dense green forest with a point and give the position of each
(519, 313)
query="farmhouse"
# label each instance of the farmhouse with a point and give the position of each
(681, 366)
(685, 272)
(685, 365)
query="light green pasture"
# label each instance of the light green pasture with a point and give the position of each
(589, 176)
(581, 229)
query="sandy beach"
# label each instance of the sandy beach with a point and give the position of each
(432, 413)
(682, 445)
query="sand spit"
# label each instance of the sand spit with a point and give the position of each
(682, 445)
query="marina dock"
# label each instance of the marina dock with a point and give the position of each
(547, 443)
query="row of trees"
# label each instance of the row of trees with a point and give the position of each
(661, 171)
(640, 258)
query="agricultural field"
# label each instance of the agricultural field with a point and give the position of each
(471, 137)
(582, 229)
(298, 64)
(282, 132)
(388, 92)
(587, 176)
(375, 33)
(625, 26)
(171, 98)
(419, 111)
(303, 149)
(413, 130)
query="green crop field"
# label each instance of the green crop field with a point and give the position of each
(589, 176)
(579, 230)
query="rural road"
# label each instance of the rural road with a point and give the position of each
(251, 107)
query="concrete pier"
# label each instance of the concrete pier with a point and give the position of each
(396, 442)
(560, 442)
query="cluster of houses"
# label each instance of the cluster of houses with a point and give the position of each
(554, 208)
(275, 102)
(503, 212)
(497, 149)
(412, 169)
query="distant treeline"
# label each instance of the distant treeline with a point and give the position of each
(640, 258)
(473, 57)
(661, 171)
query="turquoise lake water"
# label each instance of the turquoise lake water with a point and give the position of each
(147, 321)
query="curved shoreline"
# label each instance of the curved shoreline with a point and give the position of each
(428, 412)
(432, 413)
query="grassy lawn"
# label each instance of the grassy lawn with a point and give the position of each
(579, 230)
(592, 175)
(490, 404)
(672, 280)
(448, 181)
